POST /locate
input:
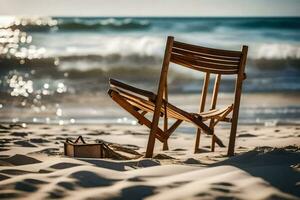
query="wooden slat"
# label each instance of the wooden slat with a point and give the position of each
(173, 127)
(203, 69)
(135, 99)
(209, 65)
(173, 110)
(214, 57)
(132, 89)
(147, 105)
(139, 105)
(118, 99)
(187, 116)
(206, 58)
(212, 51)
(223, 117)
(215, 114)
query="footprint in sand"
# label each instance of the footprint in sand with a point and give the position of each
(47, 151)
(162, 157)
(223, 184)
(25, 187)
(202, 150)
(60, 138)
(46, 135)
(136, 192)
(136, 179)
(64, 165)
(10, 195)
(34, 181)
(89, 179)
(24, 143)
(98, 133)
(203, 194)
(4, 149)
(45, 128)
(19, 159)
(66, 185)
(191, 161)
(4, 142)
(134, 133)
(20, 134)
(179, 149)
(223, 187)
(246, 135)
(56, 194)
(178, 184)
(39, 140)
(148, 163)
(14, 172)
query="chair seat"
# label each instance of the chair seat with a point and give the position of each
(144, 100)
(216, 113)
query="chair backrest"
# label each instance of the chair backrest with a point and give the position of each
(211, 61)
(206, 59)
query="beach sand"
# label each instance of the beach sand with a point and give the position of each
(267, 165)
(54, 77)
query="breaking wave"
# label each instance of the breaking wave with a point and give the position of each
(125, 24)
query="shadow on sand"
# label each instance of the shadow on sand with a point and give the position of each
(277, 166)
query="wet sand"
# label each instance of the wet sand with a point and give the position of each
(97, 107)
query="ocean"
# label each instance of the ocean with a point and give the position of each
(56, 69)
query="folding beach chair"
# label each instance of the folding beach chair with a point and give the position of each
(218, 62)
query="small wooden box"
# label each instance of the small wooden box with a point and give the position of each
(98, 150)
(83, 150)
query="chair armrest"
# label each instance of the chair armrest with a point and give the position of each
(130, 88)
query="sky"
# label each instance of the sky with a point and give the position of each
(150, 7)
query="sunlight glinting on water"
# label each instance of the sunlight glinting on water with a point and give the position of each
(43, 53)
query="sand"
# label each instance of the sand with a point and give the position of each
(32, 165)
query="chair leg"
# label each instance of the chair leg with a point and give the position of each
(197, 142)
(232, 138)
(165, 146)
(213, 141)
(213, 137)
(234, 124)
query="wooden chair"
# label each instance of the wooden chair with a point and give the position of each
(139, 102)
